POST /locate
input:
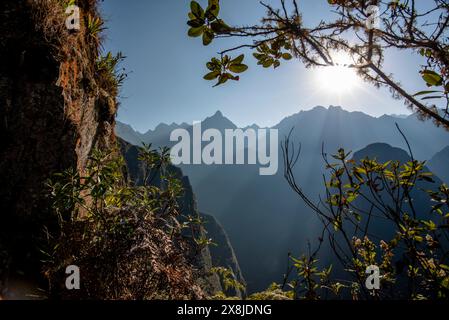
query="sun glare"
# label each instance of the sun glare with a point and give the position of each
(339, 79)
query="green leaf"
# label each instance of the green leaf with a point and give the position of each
(223, 79)
(225, 60)
(232, 77)
(197, 11)
(287, 56)
(196, 23)
(422, 93)
(213, 9)
(238, 68)
(220, 27)
(426, 53)
(268, 63)
(212, 75)
(430, 225)
(432, 97)
(259, 56)
(238, 60)
(212, 67)
(445, 282)
(445, 267)
(276, 64)
(432, 78)
(208, 36)
(214, 64)
(196, 32)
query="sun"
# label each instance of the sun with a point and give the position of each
(338, 79)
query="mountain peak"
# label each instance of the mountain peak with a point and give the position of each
(317, 108)
(383, 152)
(218, 121)
(218, 114)
(253, 126)
(165, 126)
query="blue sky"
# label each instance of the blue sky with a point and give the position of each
(166, 67)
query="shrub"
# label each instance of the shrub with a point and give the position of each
(126, 240)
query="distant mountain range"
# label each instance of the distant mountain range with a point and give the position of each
(422, 203)
(264, 219)
(355, 128)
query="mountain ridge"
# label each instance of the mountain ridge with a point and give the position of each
(440, 164)
(239, 197)
(318, 115)
(256, 125)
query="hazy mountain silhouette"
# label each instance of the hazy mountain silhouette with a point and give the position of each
(321, 123)
(127, 133)
(439, 164)
(376, 225)
(262, 216)
(160, 136)
(382, 152)
(421, 201)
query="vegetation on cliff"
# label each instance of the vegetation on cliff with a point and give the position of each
(126, 240)
(66, 200)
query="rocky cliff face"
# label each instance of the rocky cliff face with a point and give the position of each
(53, 112)
(202, 260)
(57, 106)
(221, 255)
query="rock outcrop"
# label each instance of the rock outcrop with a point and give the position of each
(53, 113)
(219, 255)
(57, 106)
(188, 207)
(222, 252)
